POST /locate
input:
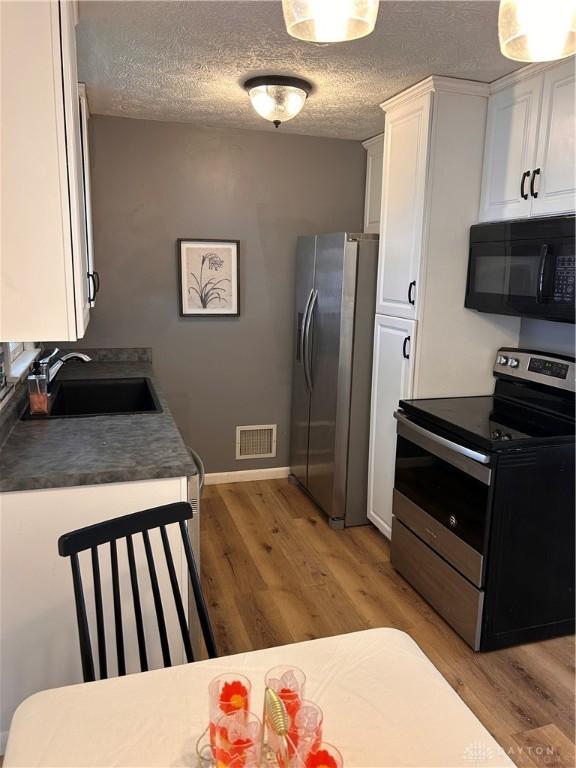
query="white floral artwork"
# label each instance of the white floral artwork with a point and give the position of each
(208, 277)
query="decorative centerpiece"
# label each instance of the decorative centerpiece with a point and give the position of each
(289, 735)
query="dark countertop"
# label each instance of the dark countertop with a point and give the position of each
(98, 449)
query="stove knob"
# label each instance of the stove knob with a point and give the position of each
(502, 360)
(513, 362)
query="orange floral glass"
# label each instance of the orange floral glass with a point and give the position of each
(228, 695)
(238, 740)
(324, 756)
(305, 733)
(289, 683)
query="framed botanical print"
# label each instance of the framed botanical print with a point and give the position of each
(209, 277)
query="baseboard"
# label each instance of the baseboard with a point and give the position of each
(246, 475)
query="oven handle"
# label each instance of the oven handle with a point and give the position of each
(469, 461)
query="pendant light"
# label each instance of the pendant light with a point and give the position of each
(277, 98)
(329, 21)
(537, 30)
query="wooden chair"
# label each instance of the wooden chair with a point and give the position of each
(108, 532)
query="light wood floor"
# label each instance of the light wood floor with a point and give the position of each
(275, 573)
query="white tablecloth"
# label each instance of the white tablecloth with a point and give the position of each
(384, 704)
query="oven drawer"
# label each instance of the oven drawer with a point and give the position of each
(452, 548)
(449, 593)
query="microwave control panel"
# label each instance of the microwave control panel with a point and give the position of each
(564, 277)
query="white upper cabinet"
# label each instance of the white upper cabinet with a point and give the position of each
(510, 152)
(529, 152)
(402, 214)
(555, 173)
(373, 198)
(43, 274)
(394, 342)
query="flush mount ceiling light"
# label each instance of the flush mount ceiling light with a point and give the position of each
(277, 98)
(329, 21)
(537, 30)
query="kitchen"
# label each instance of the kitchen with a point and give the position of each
(420, 159)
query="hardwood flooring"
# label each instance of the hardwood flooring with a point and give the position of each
(275, 573)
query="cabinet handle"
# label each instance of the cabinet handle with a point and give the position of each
(532, 182)
(523, 194)
(91, 285)
(97, 280)
(405, 353)
(410, 295)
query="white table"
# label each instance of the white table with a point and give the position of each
(385, 705)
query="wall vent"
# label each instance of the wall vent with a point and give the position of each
(256, 441)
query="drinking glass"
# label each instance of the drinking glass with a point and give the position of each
(305, 733)
(323, 756)
(238, 740)
(289, 684)
(228, 694)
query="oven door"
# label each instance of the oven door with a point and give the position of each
(529, 278)
(441, 493)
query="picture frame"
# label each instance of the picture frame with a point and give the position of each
(209, 277)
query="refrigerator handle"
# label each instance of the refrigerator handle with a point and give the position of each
(308, 325)
(302, 331)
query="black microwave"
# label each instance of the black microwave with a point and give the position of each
(524, 268)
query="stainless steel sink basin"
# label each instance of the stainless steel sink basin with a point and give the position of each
(100, 397)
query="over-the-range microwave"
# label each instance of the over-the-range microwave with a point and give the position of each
(524, 267)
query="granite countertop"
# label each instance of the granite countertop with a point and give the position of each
(98, 449)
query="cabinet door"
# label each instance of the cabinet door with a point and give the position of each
(554, 188)
(406, 140)
(74, 163)
(373, 201)
(93, 278)
(510, 151)
(392, 374)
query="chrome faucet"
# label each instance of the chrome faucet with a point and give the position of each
(51, 364)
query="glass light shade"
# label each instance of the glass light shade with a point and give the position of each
(329, 21)
(537, 30)
(277, 103)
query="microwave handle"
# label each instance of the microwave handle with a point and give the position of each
(541, 273)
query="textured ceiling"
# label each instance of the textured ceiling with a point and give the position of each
(186, 61)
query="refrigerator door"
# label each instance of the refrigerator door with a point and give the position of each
(330, 347)
(305, 259)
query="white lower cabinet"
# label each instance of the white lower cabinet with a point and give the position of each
(394, 344)
(38, 632)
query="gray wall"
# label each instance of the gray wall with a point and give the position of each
(545, 336)
(154, 182)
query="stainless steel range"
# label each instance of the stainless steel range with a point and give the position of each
(483, 506)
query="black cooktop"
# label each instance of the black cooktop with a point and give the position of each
(490, 422)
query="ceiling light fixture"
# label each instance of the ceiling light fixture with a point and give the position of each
(537, 30)
(329, 21)
(277, 98)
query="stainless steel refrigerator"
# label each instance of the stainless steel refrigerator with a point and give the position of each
(334, 326)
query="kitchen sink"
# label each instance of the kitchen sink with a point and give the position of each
(100, 397)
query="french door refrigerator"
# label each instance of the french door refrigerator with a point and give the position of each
(334, 326)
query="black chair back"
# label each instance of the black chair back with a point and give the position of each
(108, 533)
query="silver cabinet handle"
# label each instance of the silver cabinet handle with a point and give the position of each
(456, 447)
(307, 364)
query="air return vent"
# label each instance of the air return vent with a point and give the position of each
(256, 442)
